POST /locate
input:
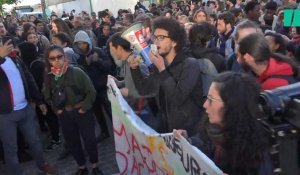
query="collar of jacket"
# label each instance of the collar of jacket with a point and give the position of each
(180, 57)
(226, 36)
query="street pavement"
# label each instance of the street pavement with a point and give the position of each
(106, 151)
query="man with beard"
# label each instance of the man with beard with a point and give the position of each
(175, 78)
(272, 70)
(225, 27)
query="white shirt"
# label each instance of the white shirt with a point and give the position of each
(16, 84)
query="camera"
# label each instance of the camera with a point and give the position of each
(282, 105)
(281, 120)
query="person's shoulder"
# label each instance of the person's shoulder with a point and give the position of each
(76, 70)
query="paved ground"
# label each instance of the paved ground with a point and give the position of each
(68, 166)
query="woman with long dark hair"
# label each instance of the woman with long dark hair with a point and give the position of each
(59, 25)
(231, 135)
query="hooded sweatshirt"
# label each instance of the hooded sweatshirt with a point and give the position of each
(275, 67)
(95, 62)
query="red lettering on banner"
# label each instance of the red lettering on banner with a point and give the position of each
(123, 131)
(126, 160)
(146, 161)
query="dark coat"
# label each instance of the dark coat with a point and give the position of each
(178, 91)
(207, 145)
(31, 89)
(98, 69)
(212, 54)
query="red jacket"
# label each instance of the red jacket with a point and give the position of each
(275, 68)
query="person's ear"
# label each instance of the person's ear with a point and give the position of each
(64, 44)
(174, 44)
(276, 46)
(248, 58)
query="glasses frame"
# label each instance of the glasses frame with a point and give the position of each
(159, 37)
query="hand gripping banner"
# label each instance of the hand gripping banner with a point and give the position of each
(141, 151)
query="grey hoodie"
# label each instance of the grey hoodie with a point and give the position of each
(82, 36)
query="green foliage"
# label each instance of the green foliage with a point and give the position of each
(6, 2)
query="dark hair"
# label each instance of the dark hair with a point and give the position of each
(33, 16)
(255, 45)
(227, 17)
(236, 11)
(26, 28)
(198, 11)
(129, 17)
(298, 30)
(102, 14)
(62, 26)
(271, 5)
(200, 34)
(53, 15)
(214, 16)
(211, 2)
(245, 144)
(37, 21)
(168, 11)
(29, 33)
(116, 40)
(250, 6)
(28, 52)
(244, 25)
(145, 19)
(64, 38)
(175, 31)
(278, 39)
(47, 53)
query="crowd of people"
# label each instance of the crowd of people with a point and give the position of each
(57, 72)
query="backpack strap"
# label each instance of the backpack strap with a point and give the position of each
(289, 78)
(71, 80)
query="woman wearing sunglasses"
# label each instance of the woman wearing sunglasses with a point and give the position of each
(231, 135)
(71, 93)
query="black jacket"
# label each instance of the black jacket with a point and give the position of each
(178, 91)
(212, 54)
(31, 89)
(97, 69)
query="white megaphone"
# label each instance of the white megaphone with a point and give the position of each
(134, 35)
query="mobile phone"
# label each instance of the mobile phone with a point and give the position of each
(6, 38)
(153, 48)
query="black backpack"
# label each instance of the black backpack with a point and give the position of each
(58, 92)
(208, 73)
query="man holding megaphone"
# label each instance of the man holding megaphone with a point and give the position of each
(175, 78)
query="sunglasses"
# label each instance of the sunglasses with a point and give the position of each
(58, 57)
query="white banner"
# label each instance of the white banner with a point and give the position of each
(141, 151)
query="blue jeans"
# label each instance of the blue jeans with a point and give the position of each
(24, 120)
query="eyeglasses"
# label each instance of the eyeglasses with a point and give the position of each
(58, 57)
(212, 99)
(158, 37)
